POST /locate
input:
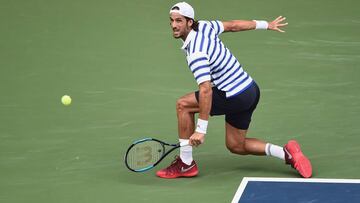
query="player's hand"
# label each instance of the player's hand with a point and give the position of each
(277, 24)
(196, 139)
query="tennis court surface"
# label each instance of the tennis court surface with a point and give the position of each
(124, 71)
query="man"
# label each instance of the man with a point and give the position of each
(224, 89)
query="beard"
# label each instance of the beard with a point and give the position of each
(181, 33)
(176, 34)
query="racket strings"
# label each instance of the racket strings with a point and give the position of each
(144, 154)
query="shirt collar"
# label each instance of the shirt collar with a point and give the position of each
(190, 36)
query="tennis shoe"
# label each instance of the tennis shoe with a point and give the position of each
(295, 157)
(178, 169)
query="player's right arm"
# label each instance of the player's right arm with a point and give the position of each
(243, 25)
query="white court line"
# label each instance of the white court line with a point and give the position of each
(245, 181)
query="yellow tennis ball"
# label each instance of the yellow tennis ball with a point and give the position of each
(66, 100)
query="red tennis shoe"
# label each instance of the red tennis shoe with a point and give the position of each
(178, 169)
(295, 157)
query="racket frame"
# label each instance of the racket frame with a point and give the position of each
(163, 144)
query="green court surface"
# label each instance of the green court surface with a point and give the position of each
(124, 71)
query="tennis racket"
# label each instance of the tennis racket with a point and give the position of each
(145, 154)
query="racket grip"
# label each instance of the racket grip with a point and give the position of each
(184, 143)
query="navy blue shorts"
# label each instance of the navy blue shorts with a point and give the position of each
(237, 109)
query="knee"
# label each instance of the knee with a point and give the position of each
(181, 104)
(237, 148)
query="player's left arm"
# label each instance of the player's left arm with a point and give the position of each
(205, 101)
(243, 25)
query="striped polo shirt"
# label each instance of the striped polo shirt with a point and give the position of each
(210, 60)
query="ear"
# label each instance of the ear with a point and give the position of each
(190, 23)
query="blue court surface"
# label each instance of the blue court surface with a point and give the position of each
(296, 190)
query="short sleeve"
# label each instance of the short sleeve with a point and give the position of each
(217, 26)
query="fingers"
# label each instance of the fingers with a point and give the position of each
(278, 22)
(195, 142)
(275, 28)
(283, 24)
(279, 19)
(279, 30)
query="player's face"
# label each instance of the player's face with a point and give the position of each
(179, 26)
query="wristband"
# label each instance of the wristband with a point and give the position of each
(261, 25)
(201, 126)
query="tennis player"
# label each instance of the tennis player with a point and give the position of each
(224, 89)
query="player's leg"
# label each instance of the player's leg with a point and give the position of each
(238, 143)
(184, 165)
(238, 118)
(186, 107)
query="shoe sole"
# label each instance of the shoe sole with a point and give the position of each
(179, 176)
(302, 163)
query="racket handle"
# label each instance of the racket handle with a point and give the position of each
(185, 143)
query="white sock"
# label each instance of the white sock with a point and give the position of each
(186, 153)
(275, 151)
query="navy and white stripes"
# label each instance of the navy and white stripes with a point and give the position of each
(210, 60)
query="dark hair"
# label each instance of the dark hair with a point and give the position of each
(195, 25)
